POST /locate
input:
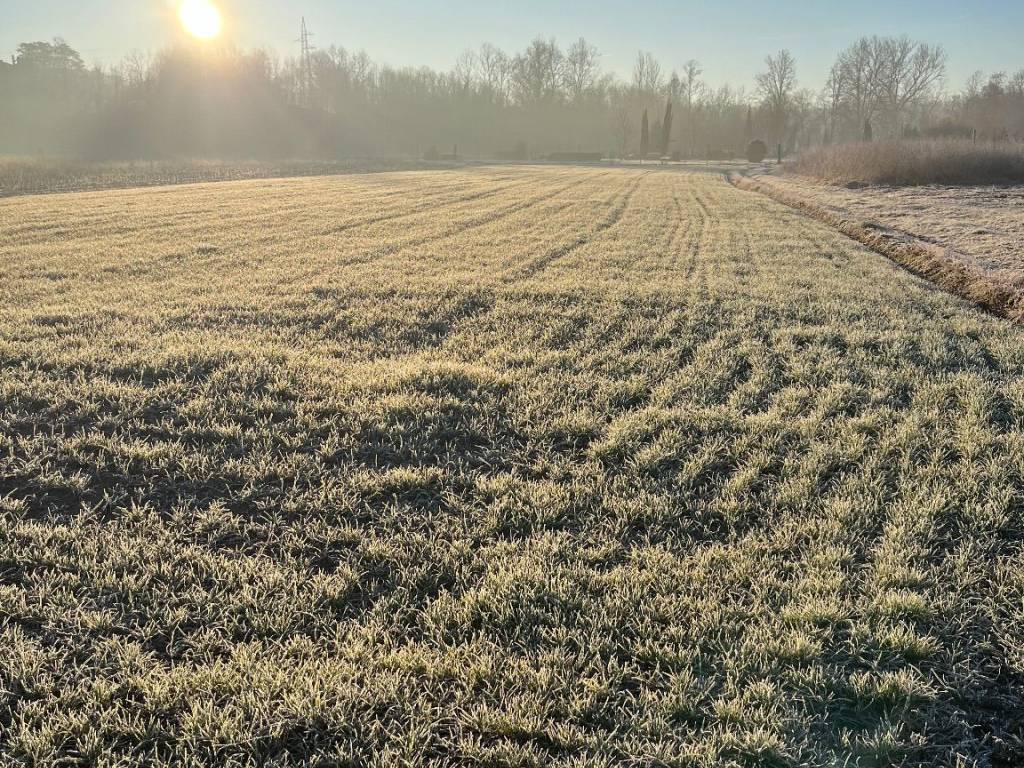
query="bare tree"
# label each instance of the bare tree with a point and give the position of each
(537, 72)
(692, 84)
(134, 67)
(647, 76)
(691, 91)
(581, 69)
(1016, 84)
(858, 77)
(882, 79)
(805, 122)
(464, 74)
(674, 87)
(776, 87)
(494, 67)
(908, 73)
(832, 102)
(363, 71)
(622, 129)
(645, 136)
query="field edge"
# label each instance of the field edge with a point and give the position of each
(922, 258)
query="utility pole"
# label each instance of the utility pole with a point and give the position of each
(305, 68)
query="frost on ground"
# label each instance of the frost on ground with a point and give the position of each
(499, 467)
(984, 224)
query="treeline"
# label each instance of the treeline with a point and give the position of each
(226, 103)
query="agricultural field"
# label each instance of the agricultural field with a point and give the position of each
(506, 466)
(39, 176)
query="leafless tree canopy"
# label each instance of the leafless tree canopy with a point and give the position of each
(647, 77)
(537, 72)
(235, 104)
(581, 70)
(885, 80)
(776, 86)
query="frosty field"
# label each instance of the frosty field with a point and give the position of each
(503, 466)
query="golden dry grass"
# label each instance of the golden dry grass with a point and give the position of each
(915, 162)
(506, 467)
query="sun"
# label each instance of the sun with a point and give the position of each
(200, 18)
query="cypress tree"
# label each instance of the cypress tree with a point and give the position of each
(645, 137)
(666, 130)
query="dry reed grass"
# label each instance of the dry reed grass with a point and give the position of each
(914, 163)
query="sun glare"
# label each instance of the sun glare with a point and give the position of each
(201, 18)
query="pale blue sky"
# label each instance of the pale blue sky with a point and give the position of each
(730, 37)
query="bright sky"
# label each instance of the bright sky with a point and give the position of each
(730, 37)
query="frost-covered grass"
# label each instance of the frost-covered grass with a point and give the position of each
(47, 175)
(504, 467)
